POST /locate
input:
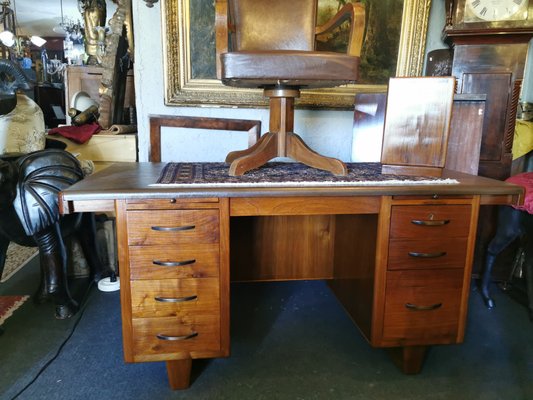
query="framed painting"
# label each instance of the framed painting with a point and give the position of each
(394, 46)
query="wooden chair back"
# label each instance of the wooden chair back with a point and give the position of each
(272, 25)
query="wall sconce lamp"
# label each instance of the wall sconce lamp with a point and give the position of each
(8, 37)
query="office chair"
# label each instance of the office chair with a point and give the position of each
(272, 45)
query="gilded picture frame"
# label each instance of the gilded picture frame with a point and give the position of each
(182, 89)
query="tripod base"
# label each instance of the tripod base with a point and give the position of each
(281, 141)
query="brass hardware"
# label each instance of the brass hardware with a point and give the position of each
(173, 228)
(175, 299)
(414, 307)
(430, 223)
(185, 337)
(427, 255)
(173, 263)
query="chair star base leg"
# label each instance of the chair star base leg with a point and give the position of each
(281, 141)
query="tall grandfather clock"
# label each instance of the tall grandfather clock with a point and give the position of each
(490, 40)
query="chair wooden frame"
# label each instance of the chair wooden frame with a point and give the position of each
(349, 12)
(280, 140)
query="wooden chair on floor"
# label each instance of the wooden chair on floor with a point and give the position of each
(273, 47)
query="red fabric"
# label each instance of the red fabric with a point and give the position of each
(524, 179)
(79, 134)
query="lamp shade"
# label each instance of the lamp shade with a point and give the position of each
(37, 41)
(7, 38)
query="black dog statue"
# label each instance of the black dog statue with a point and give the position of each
(29, 216)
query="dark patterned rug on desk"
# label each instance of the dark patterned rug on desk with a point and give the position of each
(284, 174)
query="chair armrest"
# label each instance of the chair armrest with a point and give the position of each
(221, 32)
(355, 12)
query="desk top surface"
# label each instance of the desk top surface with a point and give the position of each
(134, 180)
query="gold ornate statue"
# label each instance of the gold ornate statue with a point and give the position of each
(94, 16)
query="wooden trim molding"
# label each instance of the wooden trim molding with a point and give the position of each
(252, 127)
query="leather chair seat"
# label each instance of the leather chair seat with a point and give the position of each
(292, 68)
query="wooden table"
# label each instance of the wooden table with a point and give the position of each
(398, 258)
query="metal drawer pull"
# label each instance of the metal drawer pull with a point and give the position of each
(430, 222)
(173, 228)
(427, 255)
(414, 307)
(175, 299)
(173, 263)
(166, 337)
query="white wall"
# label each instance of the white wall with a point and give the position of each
(436, 23)
(328, 132)
(527, 84)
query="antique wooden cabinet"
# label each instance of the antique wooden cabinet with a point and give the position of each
(490, 49)
(87, 79)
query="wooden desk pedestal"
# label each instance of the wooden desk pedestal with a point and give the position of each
(398, 258)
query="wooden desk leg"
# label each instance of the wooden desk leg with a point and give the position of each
(179, 373)
(408, 358)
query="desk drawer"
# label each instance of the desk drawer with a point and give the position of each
(183, 298)
(172, 227)
(423, 305)
(415, 254)
(184, 261)
(430, 221)
(168, 338)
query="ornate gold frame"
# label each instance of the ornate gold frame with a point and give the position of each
(182, 90)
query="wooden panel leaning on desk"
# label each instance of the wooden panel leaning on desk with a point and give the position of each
(399, 258)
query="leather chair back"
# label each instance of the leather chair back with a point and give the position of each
(273, 24)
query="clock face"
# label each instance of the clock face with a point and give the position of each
(495, 10)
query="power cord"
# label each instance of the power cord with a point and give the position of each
(84, 303)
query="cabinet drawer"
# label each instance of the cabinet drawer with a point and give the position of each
(182, 298)
(168, 338)
(172, 227)
(413, 254)
(430, 221)
(184, 261)
(423, 305)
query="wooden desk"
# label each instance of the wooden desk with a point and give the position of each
(399, 258)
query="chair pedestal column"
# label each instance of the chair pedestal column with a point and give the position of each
(281, 141)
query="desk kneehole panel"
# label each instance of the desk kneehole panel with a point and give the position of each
(425, 273)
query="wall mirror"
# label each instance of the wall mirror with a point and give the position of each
(189, 54)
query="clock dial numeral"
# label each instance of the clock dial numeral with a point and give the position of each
(495, 10)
